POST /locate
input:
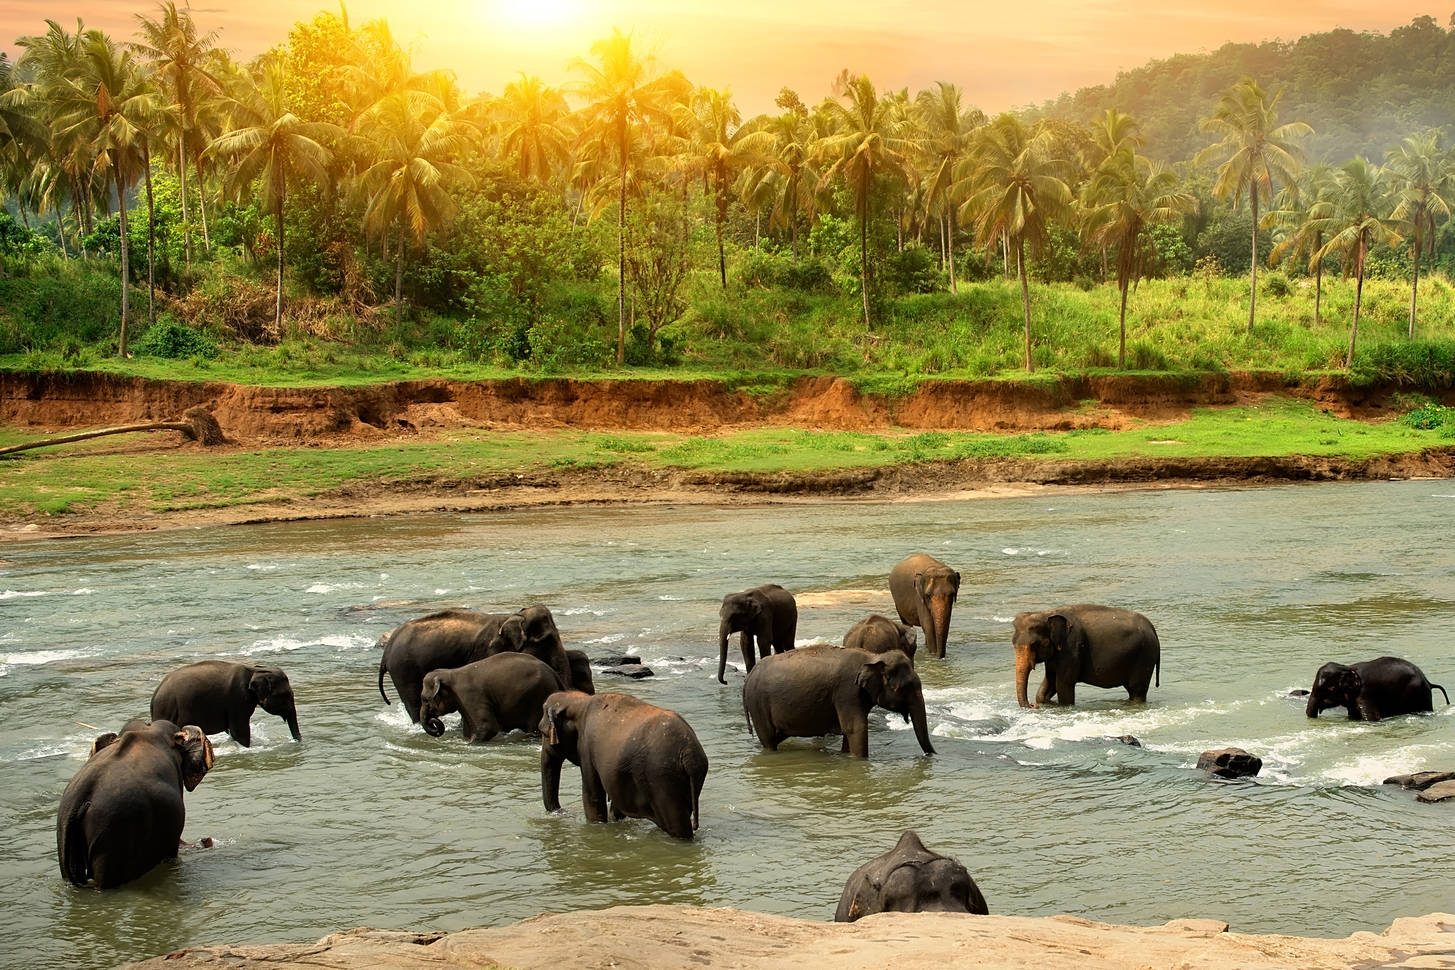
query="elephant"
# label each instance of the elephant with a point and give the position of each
(581, 678)
(1373, 689)
(638, 760)
(1085, 644)
(123, 812)
(532, 630)
(217, 695)
(500, 693)
(829, 690)
(767, 614)
(880, 634)
(910, 879)
(924, 591)
(438, 641)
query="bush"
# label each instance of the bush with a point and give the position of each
(1276, 284)
(1429, 416)
(913, 269)
(1422, 363)
(171, 340)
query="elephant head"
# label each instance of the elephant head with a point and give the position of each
(560, 741)
(747, 613)
(910, 879)
(532, 625)
(269, 687)
(891, 683)
(436, 699)
(194, 753)
(1335, 685)
(936, 588)
(1044, 638)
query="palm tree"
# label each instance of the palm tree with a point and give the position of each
(532, 116)
(1424, 184)
(1016, 190)
(870, 140)
(718, 147)
(1302, 210)
(107, 105)
(1256, 151)
(267, 144)
(625, 96)
(178, 54)
(406, 184)
(1355, 225)
(948, 132)
(66, 171)
(1127, 195)
(787, 168)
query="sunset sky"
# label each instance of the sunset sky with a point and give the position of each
(1003, 54)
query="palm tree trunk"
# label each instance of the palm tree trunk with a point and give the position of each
(125, 265)
(950, 247)
(1415, 289)
(1253, 262)
(864, 254)
(186, 223)
(1020, 265)
(399, 274)
(1122, 349)
(278, 309)
(621, 252)
(1354, 328)
(151, 240)
(720, 208)
(1318, 281)
(202, 204)
(793, 213)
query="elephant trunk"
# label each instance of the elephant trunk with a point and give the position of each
(432, 725)
(291, 718)
(921, 724)
(551, 778)
(722, 644)
(940, 608)
(1313, 708)
(1024, 662)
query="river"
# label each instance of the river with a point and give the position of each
(368, 821)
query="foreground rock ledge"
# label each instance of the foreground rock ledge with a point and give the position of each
(673, 937)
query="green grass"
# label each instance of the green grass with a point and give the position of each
(87, 477)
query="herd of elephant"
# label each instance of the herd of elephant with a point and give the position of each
(123, 811)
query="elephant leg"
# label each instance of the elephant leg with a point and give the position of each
(241, 731)
(1366, 709)
(1047, 691)
(1137, 688)
(593, 794)
(745, 644)
(1066, 689)
(767, 737)
(672, 814)
(856, 734)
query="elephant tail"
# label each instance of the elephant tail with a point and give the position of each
(1157, 670)
(383, 668)
(1441, 690)
(75, 857)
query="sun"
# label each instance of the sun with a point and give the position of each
(537, 13)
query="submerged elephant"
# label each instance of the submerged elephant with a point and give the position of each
(767, 614)
(880, 634)
(1373, 689)
(218, 696)
(438, 641)
(123, 812)
(498, 694)
(829, 690)
(924, 591)
(636, 760)
(1085, 644)
(910, 879)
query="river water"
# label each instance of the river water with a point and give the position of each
(369, 821)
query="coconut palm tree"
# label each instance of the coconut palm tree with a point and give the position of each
(1256, 150)
(66, 170)
(1127, 195)
(947, 133)
(267, 145)
(1303, 208)
(625, 97)
(1015, 190)
(870, 140)
(787, 169)
(531, 116)
(1424, 184)
(1355, 224)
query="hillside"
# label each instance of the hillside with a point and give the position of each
(1361, 92)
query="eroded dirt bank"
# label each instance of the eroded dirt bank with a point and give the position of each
(672, 937)
(264, 415)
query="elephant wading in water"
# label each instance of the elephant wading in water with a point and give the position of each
(1098, 645)
(910, 879)
(533, 631)
(219, 696)
(1373, 689)
(924, 591)
(767, 614)
(500, 693)
(816, 691)
(880, 634)
(122, 813)
(636, 760)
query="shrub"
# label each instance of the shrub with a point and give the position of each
(1429, 416)
(1276, 284)
(172, 340)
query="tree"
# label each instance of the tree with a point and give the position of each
(268, 144)
(1354, 226)
(947, 135)
(1128, 195)
(1424, 185)
(1302, 213)
(531, 115)
(1255, 150)
(625, 96)
(869, 140)
(1016, 191)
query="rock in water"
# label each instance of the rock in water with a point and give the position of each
(1420, 780)
(1230, 763)
(635, 671)
(1128, 739)
(1441, 792)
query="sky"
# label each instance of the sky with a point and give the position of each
(1003, 55)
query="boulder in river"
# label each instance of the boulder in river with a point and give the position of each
(1128, 739)
(1230, 763)
(1420, 780)
(635, 671)
(618, 661)
(1442, 791)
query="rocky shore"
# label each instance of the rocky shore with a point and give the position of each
(673, 937)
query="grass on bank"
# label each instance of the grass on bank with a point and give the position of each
(94, 476)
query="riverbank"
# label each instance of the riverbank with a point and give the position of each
(671, 937)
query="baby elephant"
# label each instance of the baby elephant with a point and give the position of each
(500, 693)
(635, 759)
(218, 696)
(880, 634)
(122, 813)
(910, 879)
(1372, 689)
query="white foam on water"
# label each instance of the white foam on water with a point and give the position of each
(263, 567)
(10, 594)
(50, 749)
(36, 658)
(814, 642)
(325, 588)
(1372, 769)
(609, 638)
(580, 611)
(83, 591)
(348, 641)
(394, 715)
(669, 598)
(441, 592)
(278, 645)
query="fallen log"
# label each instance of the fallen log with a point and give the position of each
(197, 424)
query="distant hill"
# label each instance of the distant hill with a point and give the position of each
(1361, 92)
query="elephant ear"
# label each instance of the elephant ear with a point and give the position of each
(1067, 637)
(430, 688)
(919, 583)
(551, 725)
(102, 741)
(260, 685)
(955, 581)
(195, 752)
(871, 678)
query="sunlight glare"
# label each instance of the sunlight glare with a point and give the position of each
(537, 13)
